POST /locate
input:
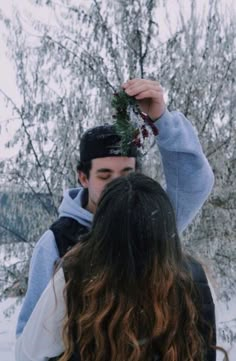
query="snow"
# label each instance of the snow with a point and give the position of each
(7, 330)
(8, 325)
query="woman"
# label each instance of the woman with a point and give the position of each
(130, 292)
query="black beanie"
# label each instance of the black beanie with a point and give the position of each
(103, 141)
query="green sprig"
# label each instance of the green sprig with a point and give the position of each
(124, 128)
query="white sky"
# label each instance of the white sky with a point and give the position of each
(7, 73)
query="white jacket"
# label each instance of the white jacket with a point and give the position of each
(42, 335)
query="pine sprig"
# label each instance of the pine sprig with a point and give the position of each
(121, 102)
(130, 133)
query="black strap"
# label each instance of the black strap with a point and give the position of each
(67, 232)
(207, 307)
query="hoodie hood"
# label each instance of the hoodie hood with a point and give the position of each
(71, 206)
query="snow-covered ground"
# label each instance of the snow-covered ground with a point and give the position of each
(7, 329)
(226, 315)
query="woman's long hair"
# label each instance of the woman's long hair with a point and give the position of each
(128, 291)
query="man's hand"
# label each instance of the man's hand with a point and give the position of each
(149, 95)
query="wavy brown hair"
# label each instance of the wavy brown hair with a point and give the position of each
(129, 291)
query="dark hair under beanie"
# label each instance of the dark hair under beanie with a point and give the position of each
(103, 141)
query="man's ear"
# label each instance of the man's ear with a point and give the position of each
(83, 179)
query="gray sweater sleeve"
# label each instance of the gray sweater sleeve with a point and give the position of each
(189, 177)
(41, 270)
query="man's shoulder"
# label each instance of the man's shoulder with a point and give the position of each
(67, 232)
(46, 240)
(63, 234)
(45, 248)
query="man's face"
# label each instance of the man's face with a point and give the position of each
(103, 171)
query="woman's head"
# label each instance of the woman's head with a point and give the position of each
(128, 288)
(133, 225)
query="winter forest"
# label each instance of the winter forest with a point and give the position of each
(68, 63)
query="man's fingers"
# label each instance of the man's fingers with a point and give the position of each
(154, 94)
(149, 95)
(139, 88)
(136, 82)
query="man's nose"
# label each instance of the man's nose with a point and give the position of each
(116, 175)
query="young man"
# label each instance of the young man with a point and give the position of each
(189, 180)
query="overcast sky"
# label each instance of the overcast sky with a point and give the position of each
(7, 74)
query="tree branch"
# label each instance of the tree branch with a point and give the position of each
(16, 234)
